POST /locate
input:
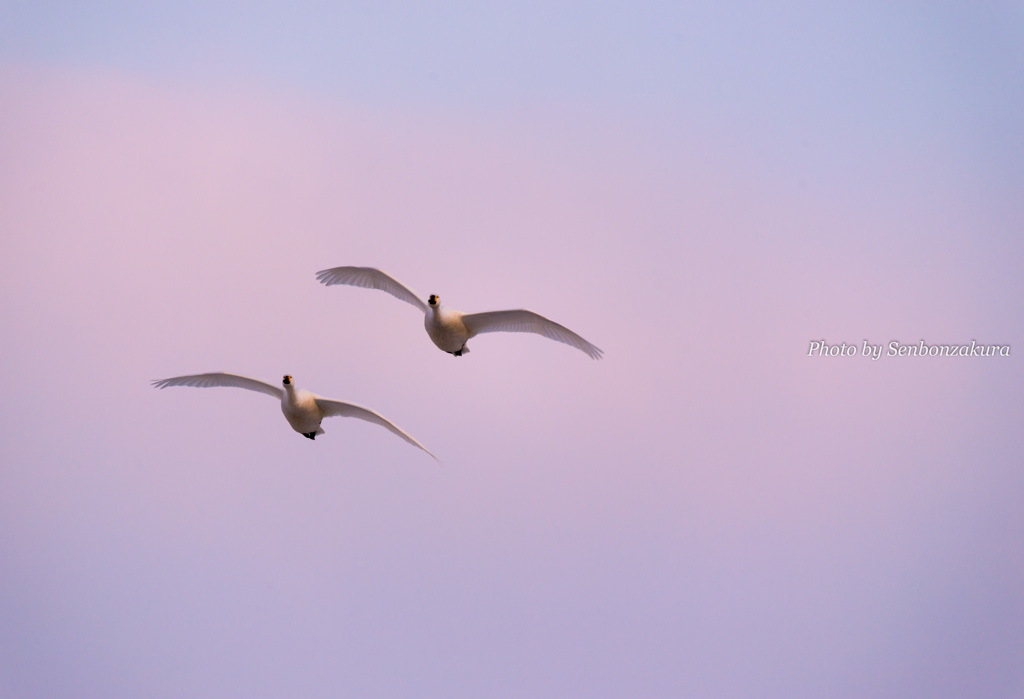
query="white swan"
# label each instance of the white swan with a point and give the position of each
(450, 329)
(302, 409)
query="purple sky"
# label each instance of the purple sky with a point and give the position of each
(706, 512)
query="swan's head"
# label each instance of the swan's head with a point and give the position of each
(434, 300)
(286, 380)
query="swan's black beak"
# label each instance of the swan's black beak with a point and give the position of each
(287, 379)
(433, 300)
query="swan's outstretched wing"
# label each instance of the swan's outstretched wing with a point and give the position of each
(222, 379)
(371, 278)
(332, 408)
(523, 321)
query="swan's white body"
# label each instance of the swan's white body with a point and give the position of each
(447, 329)
(303, 410)
(450, 329)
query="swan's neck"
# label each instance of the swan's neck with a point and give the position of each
(289, 393)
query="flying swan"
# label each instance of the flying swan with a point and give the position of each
(450, 329)
(302, 409)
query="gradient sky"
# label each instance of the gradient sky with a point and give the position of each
(700, 191)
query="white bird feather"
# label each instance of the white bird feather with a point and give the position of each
(450, 329)
(302, 409)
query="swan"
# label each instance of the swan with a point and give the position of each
(450, 329)
(302, 409)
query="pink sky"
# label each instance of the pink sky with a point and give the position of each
(705, 512)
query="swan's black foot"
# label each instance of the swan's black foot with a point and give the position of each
(309, 435)
(458, 353)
